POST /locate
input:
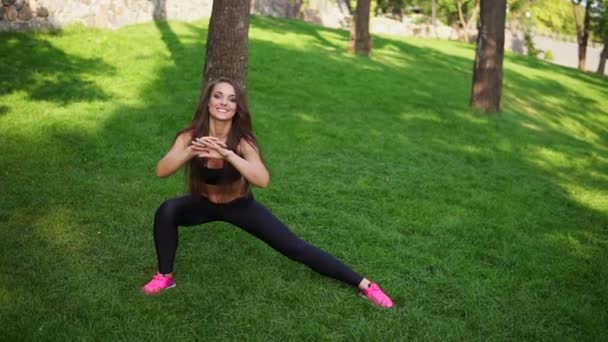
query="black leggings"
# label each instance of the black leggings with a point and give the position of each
(252, 217)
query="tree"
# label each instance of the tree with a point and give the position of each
(434, 16)
(601, 68)
(462, 12)
(582, 30)
(486, 90)
(465, 24)
(393, 7)
(554, 16)
(360, 39)
(600, 29)
(515, 9)
(227, 42)
(445, 11)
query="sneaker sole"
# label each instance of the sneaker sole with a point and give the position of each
(159, 292)
(376, 305)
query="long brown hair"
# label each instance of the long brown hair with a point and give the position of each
(241, 128)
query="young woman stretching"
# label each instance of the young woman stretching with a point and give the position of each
(222, 159)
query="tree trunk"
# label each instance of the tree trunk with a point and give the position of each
(434, 16)
(486, 90)
(467, 24)
(360, 39)
(582, 33)
(603, 56)
(227, 42)
(473, 18)
(463, 23)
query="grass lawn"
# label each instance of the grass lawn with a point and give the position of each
(481, 228)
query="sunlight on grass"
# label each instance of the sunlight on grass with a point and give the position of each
(523, 106)
(308, 117)
(548, 158)
(471, 149)
(292, 41)
(531, 126)
(395, 60)
(430, 117)
(58, 228)
(578, 130)
(589, 197)
(570, 243)
(562, 163)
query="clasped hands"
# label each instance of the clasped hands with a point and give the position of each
(209, 147)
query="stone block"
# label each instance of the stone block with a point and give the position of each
(42, 12)
(25, 13)
(11, 13)
(34, 5)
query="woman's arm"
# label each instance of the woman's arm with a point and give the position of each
(178, 155)
(250, 165)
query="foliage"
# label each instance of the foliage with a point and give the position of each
(554, 16)
(392, 7)
(548, 56)
(600, 20)
(447, 10)
(530, 46)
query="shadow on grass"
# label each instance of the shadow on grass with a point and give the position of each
(428, 171)
(591, 78)
(45, 72)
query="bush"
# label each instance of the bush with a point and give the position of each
(549, 56)
(529, 42)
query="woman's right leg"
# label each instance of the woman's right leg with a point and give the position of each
(258, 221)
(187, 210)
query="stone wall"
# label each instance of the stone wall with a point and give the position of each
(18, 15)
(277, 8)
(44, 15)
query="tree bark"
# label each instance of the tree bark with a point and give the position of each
(582, 33)
(486, 90)
(603, 56)
(227, 42)
(360, 39)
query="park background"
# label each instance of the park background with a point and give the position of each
(482, 227)
(543, 28)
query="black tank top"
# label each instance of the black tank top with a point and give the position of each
(220, 176)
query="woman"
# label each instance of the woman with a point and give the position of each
(223, 160)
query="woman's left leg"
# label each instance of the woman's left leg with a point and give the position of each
(255, 219)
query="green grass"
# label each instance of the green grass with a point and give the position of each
(481, 227)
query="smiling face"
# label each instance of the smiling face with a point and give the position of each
(222, 102)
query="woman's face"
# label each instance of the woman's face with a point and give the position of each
(222, 103)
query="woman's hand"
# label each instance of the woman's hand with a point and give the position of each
(209, 147)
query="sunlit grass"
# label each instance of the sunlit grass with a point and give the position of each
(482, 227)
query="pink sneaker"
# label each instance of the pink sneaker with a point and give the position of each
(158, 284)
(374, 293)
